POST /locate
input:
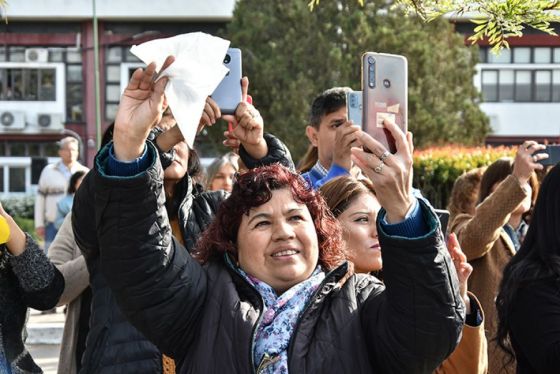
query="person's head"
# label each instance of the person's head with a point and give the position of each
(538, 257)
(328, 112)
(75, 181)
(354, 204)
(275, 227)
(68, 150)
(496, 173)
(220, 174)
(464, 194)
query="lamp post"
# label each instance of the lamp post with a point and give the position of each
(96, 77)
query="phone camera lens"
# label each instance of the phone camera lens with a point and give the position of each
(227, 59)
(371, 60)
(386, 83)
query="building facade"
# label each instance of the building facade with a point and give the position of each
(520, 87)
(47, 71)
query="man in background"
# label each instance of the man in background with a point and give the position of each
(52, 186)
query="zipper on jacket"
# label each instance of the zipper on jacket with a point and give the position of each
(305, 309)
(266, 361)
(261, 315)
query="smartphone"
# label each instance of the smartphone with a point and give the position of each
(354, 107)
(228, 93)
(443, 216)
(553, 155)
(385, 95)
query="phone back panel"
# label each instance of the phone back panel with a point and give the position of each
(354, 107)
(553, 155)
(385, 94)
(228, 93)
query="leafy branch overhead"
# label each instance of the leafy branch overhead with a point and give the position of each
(496, 20)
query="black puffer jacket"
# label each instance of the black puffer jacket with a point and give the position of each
(205, 316)
(27, 280)
(113, 345)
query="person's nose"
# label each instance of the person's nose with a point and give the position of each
(373, 230)
(282, 231)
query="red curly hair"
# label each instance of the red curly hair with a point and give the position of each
(253, 189)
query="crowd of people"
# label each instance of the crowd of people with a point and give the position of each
(337, 266)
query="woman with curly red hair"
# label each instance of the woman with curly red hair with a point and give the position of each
(268, 290)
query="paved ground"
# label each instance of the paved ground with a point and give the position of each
(44, 335)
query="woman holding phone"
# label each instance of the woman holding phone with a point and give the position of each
(269, 288)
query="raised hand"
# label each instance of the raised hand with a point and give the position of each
(346, 136)
(247, 126)
(391, 174)
(210, 114)
(140, 108)
(526, 160)
(463, 268)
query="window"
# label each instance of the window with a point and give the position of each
(490, 85)
(523, 85)
(504, 57)
(556, 85)
(506, 85)
(25, 84)
(543, 85)
(522, 55)
(509, 85)
(542, 55)
(17, 179)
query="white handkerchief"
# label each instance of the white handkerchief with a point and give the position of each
(195, 74)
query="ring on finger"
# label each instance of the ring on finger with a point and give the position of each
(384, 155)
(379, 168)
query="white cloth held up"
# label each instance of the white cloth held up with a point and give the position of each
(195, 74)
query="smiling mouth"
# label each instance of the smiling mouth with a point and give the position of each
(286, 252)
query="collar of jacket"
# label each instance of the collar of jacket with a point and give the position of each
(333, 279)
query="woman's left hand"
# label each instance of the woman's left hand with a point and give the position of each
(463, 268)
(391, 174)
(247, 126)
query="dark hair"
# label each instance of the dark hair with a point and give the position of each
(538, 257)
(465, 192)
(74, 180)
(107, 135)
(497, 172)
(253, 189)
(327, 102)
(339, 193)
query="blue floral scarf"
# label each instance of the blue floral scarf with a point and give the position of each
(279, 319)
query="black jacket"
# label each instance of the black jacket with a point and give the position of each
(113, 345)
(27, 280)
(204, 317)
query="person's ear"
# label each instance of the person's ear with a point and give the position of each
(313, 135)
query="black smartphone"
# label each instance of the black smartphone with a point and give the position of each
(443, 216)
(553, 152)
(228, 93)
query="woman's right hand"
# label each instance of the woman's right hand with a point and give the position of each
(391, 174)
(526, 160)
(140, 108)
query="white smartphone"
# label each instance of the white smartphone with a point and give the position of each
(228, 93)
(385, 95)
(354, 107)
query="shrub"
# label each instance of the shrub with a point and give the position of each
(21, 207)
(436, 168)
